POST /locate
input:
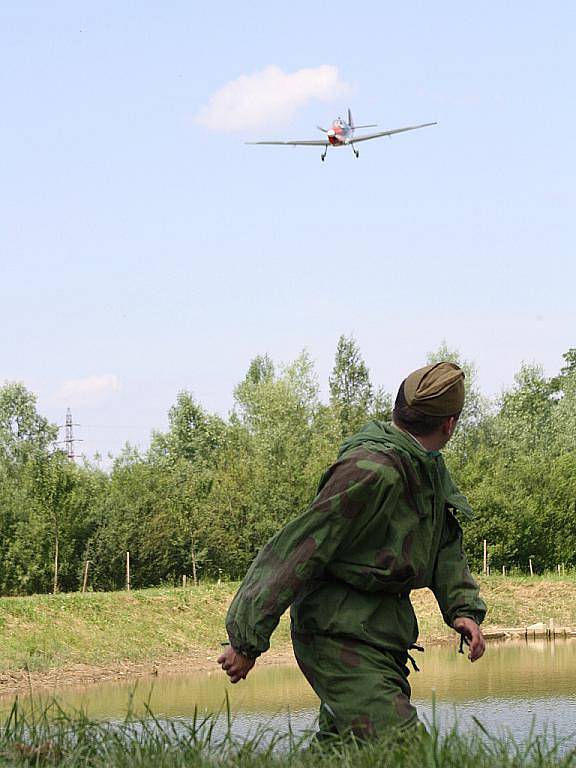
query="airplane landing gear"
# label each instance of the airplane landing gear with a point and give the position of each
(355, 150)
(323, 155)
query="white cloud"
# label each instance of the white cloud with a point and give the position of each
(269, 96)
(88, 390)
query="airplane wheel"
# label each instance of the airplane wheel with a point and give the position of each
(322, 158)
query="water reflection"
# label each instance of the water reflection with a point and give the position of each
(513, 684)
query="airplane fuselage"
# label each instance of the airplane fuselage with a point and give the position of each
(340, 133)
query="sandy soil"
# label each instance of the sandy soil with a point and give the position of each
(24, 681)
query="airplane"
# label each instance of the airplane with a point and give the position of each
(341, 134)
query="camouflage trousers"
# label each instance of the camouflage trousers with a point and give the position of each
(363, 691)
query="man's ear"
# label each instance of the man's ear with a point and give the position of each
(449, 425)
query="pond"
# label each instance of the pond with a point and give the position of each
(517, 686)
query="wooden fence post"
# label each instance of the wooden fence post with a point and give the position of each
(485, 570)
(56, 564)
(184, 580)
(531, 568)
(128, 571)
(85, 579)
(194, 574)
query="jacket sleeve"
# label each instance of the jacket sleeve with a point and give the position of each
(454, 587)
(300, 551)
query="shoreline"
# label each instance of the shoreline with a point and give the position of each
(25, 681)
(18, 681)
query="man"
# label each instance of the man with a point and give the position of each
(384, 522)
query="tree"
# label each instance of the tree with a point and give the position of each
(22, 429)
(274, 420)
(525, 419)
(521, 480)
(26, 442)
(48, 522)
(382, 405)
(474, 419)
(569, 369)
(564, 414)
(351, 393)
(193, 433)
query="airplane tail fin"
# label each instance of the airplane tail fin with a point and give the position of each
(355, 127)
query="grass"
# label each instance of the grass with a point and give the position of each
(54, 738)
(56, 632)
(513, 601)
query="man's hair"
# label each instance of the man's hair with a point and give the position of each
(418, 424)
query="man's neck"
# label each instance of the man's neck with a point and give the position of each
(428, 442)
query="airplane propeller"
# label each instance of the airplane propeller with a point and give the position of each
(324, 130)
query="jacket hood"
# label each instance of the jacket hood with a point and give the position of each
(388, 436)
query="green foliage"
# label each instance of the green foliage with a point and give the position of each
(475, 419)
(23, 432)
(210, 491)
(276, 419)
(48, 506)
(525, 416)
(351, 392)
(193, 433)
(522, 476)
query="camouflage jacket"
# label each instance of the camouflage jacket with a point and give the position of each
(383, 523)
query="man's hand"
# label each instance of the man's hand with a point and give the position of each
(235, 664)
(472, 632)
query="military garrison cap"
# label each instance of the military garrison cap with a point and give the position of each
(435, 390)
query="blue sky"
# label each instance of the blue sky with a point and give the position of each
(144, 252)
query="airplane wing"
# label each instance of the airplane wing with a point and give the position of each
(356, 139)
(311, 143)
